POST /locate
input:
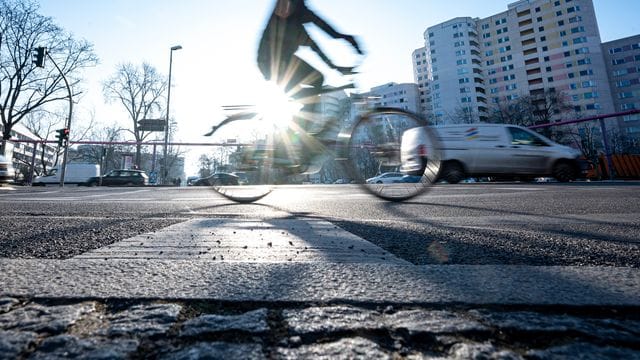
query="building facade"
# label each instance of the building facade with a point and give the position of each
(401, 96)
(536, 46)
(623, 66)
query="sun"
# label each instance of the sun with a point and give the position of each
(275, 107)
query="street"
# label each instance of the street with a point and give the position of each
(510, 223)
(551, 267)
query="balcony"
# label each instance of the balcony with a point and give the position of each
(526, 32)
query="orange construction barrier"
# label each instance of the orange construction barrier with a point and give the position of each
(624, 166)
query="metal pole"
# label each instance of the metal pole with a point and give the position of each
(607, 150)
(165, 170)
(66, 142)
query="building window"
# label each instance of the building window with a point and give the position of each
(580, 40)
(584, 61)
(575, 19)
(630, 106)
(625, 95)
(577, 29)
(620, 72)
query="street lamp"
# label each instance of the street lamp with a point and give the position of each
(166, 127)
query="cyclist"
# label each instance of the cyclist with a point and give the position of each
(282, 37)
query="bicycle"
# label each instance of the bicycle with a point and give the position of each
(270, 153)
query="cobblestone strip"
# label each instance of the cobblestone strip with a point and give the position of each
(200, 329)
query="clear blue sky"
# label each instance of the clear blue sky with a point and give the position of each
(219, 38)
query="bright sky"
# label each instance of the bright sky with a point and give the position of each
(217, 65)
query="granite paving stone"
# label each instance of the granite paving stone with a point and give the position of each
(437, 321)
(584, 351)
(350, 348)
(216, 350)
(13, 343)
(143, 320)
(6, 303)
(251, 322)
(331, 319)
(68, 346)
(40, 318)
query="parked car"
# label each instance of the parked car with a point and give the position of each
(386, 178)
(7, 172)
(496, 150)
(218, 179)
(121, 178)
(74, 174)
(243, 179)
(411, 178)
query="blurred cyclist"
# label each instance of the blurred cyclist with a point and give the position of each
(283, 36)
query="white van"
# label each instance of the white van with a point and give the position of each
(494, 150)
(75, 174)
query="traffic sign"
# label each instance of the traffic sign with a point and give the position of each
(151, 124)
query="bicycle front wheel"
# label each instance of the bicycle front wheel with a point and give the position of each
(241, 161)
(393, 154)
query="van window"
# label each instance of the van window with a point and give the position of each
(523, 137)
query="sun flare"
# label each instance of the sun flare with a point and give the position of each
(276, 108)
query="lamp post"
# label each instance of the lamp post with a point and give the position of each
(166, 127)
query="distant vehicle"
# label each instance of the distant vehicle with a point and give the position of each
(191, 179)
(242, 177)
(411, 179)
(342, 181)
(496, 150)
(7, 172)
(386, 178)
(218, 179)
(121, 178)
(74, 174)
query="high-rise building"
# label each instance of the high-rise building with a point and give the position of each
(534, 48)
(623, 65)
(421, 76)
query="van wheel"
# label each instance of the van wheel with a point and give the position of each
(453, 173)
(563, 172)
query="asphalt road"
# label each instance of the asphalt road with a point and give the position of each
(580, 224)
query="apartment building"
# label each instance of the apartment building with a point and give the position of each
(401, 96)
(534, 47)
(422, 76)
(622, 57)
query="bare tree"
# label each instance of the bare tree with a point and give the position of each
(23, 87)
(464, 115)
(140, 90)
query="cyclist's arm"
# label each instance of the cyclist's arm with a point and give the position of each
(311, 17)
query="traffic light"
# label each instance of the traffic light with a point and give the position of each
(38, 57)
(62, 135)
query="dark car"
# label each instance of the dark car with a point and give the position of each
(121, 178)
(218, 179)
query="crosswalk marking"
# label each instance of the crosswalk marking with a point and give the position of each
(242, 240)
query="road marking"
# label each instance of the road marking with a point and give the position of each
(241, 240)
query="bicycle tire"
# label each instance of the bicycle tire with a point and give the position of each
(374, 146)
(232, 157)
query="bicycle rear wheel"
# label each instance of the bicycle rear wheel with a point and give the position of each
(242, 166)
(398, 144)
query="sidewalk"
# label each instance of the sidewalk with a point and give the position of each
(190, 309)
